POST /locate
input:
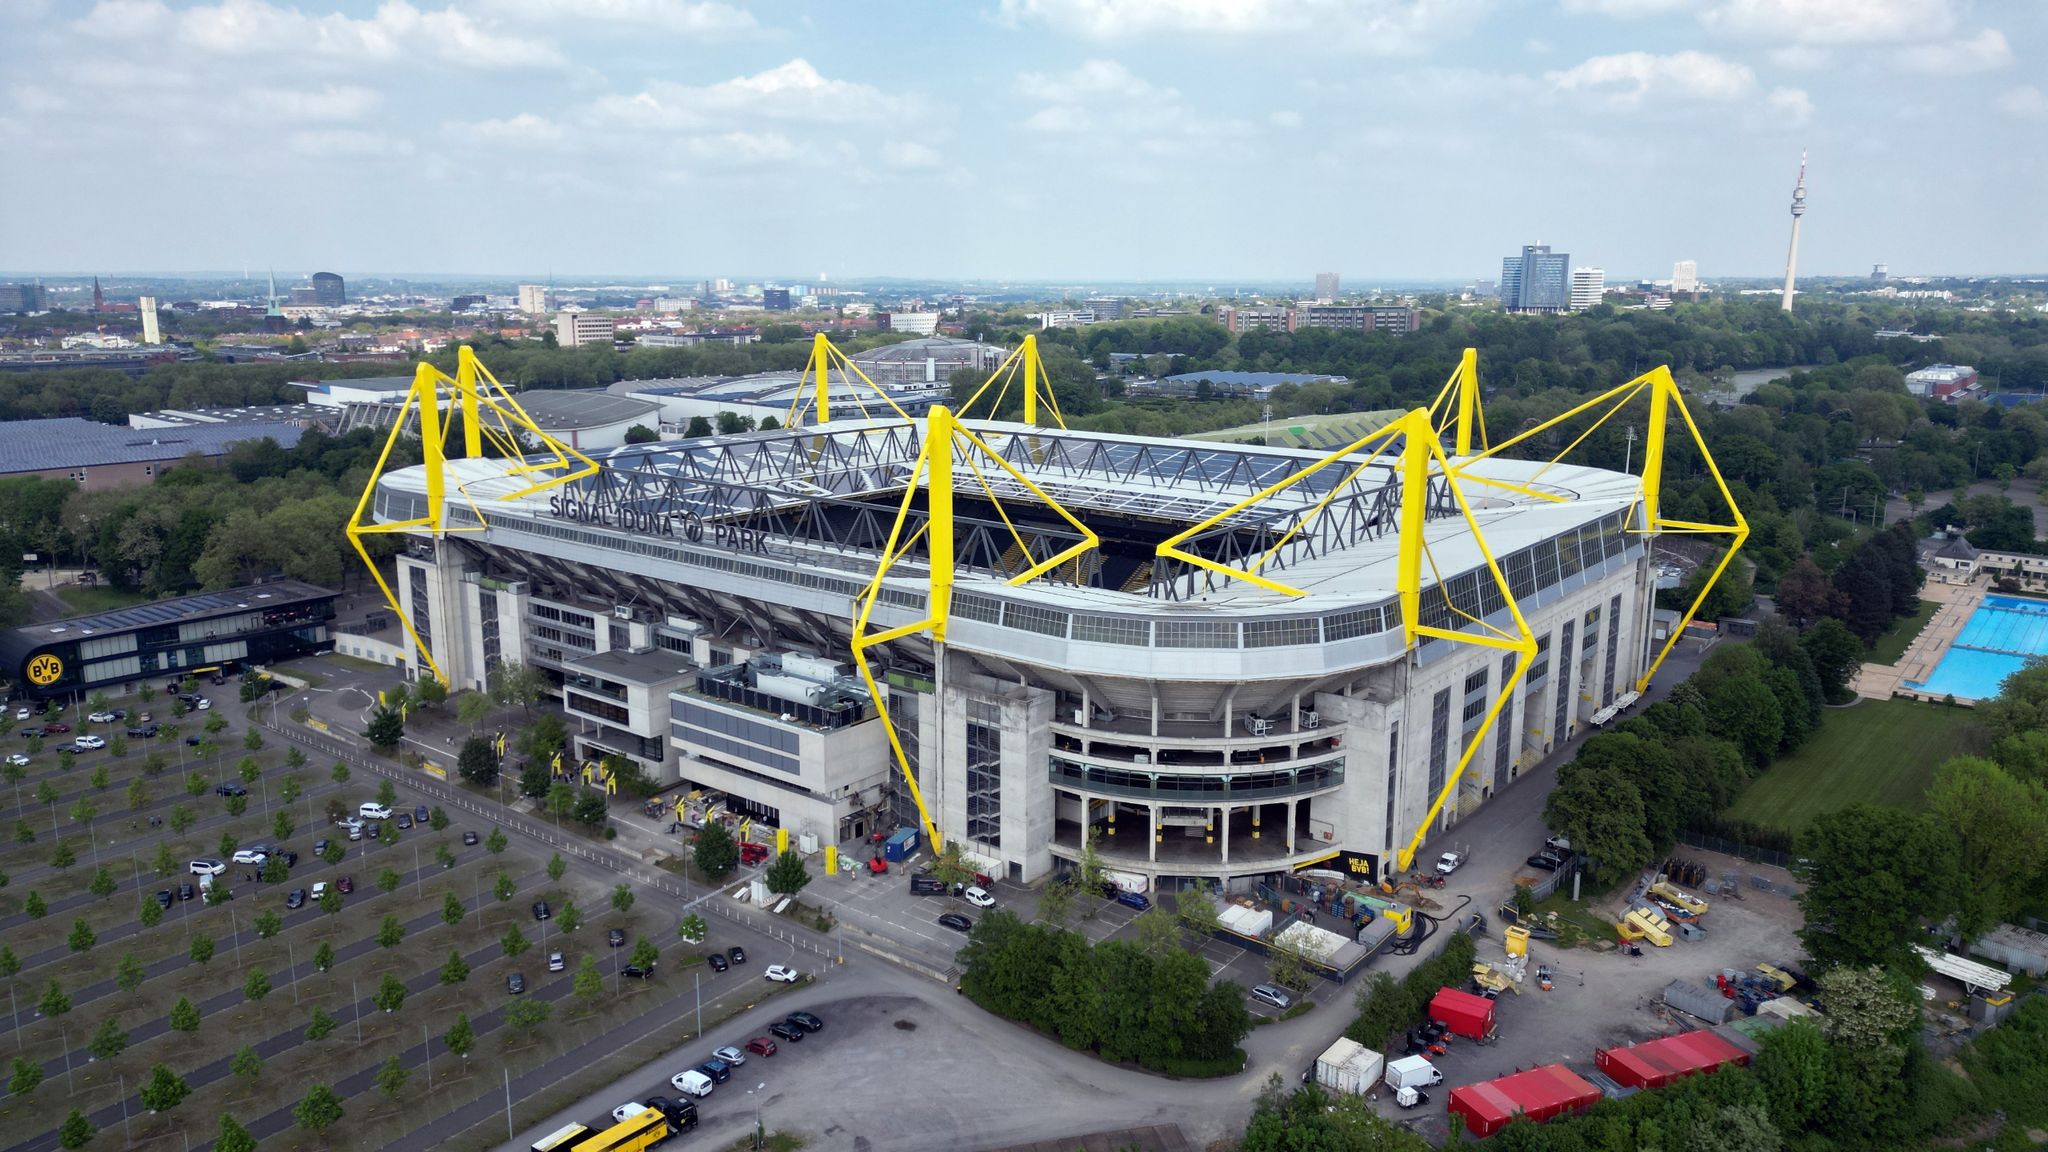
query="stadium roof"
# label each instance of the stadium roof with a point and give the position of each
(69, 442)
(564, 410)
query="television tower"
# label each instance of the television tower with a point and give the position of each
(1798, 210)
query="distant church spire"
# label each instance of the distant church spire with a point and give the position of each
(99, 301)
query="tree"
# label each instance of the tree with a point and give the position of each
(385, 729)
(35, 905)
(151, 913)
(592, 807)
(716, 854)
(644, 954)
(252, 740)
(257, 986)
(164, 1090)
(698, 426)
(76, 1131)
(246, 1063)
(1999, 826)
(319, 1111)
(340, 773)
(1600, 810)
(1875, 877)
(391, 1077)
(63, 858)
(556, 866)
(323, 957)
(10, 964)
(454, 971)
(535, 779)
(138, 794)
(496, 843)
(513, 941)
(233, 1137)
(165, 862)
(330, 900)
(181, 817)
(54, 1002)
(388, 880)
(201, 950)
(437, 819)
(387, 793)
(452, 911)
(390, 994)
(788, 875)
(472, 708)
(337, 850)
(478, 762)
(27, 1077)
(390, 933)
(622, 899)
(109, 1041)
(513, 683)
(24, 833)
(562, 798)
(320, 1025)
(430, 694)
(102, 884)
(527, 1014)
(129, 973)
(692, 928)
(282, 825)
(461, 1037)
(1872, 1022)
(641, 434)
(1837, 656)
(268, 923)
(1805, 594)
(571, 917)
(589, 982)
(444, 856)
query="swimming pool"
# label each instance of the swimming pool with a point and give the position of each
(1997, 641)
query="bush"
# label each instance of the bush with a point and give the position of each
(1182, 1069)
(1386, 1007)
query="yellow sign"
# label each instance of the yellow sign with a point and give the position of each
(45, 669)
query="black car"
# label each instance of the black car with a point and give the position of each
(30, 733)
(290, 858)
(956, 922)
(717, 961)
(515, 983)
(1550, 859)
(806, 1021)
(403, 821)
(230, 789)
(145, 732)
(320, 847)
(373, 830)
(186, 892)
(297, 899)
(783, 1030)
(540, 910)
(420, 815)
(718, 1070)
(736, 954)
(615, 937)
(119, 713)
(195, 741)
(469, 837)
(637, 972)
(163, 898)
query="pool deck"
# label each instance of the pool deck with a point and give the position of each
(1958, 601)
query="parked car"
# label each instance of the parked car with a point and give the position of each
(922, 885)
(372, 830)
(56, 729)
(194, 741)
(186, 891)
(805, 1021)
(102, 717)
(717, 961)
(251, 856)
(469, 838)
(541, 910)
(297, 899)
(627, 1111)
(21, 713)
(30, 732)
(1136, 900)
(420, 815)
(143, 732)
(637, 972)
(1273, 994)
(290, 858)
(1559, 843)
(1550, 859)
(557, 962)
(88, 743)
(163, 898)
(616, 937)
(781, 974)
(18, 759)
(979, 897)
(207, 867)
(404, 821)
(345, 885)
(731, 1055)
(956, 922)
(371, 810)
(691, 1082)
(717, 1069)
(320, 846)
(204, 704)
(230, 789)
(736, 954)
(1448, 863)
(761, 1046)
(784, 1030)
(752, 853)
(319, 889)
(355, 831)
(515, 983)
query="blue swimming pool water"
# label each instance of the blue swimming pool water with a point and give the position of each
(1997, 641)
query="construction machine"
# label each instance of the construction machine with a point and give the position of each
(1665, 889)
(1646, 924)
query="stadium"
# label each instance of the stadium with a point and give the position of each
(1218, 661)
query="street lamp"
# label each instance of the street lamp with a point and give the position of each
(760, 1133)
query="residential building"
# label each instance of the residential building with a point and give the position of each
(775, 299)
(1685, 276)
(1538, 280)
(1941, 381)
(1069, 318)
(1105, 307)
(533, 299)
(1326, 286)
(329, 290)
(1588, 285)
(1241, 320)
(1360, 318)
(573, 328)
(915, 323)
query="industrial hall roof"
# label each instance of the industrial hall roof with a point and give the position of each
(69, 442)
(555, 409)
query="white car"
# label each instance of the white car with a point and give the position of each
(21, 713)
(979, 897)
(731, 1055)
(103, 717)
(1448, 863)
(18, 758)
(207, 867)
(205, 704)
(319, 889)
(349, 822)
(371, 810)
(250, 856)
(691, 1082)
(627, 1111)
(87, 743)
(781, 974)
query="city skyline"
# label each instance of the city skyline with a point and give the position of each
(474, 135)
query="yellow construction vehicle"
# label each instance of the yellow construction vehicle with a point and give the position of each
(1783, 980)
(1492, 979)
(1414, 895)
(1679, 897)
(1645, 924)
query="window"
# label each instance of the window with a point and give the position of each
(1564, 686)
(1439, 741)
(422, 621)
(603, 709)
(1112, 630)
(1613, 646)
(1504, 734)
(1279, 633)
(1031, 618)
(487, 614)
(1393, 776)
(1197, 634)
(985, 773)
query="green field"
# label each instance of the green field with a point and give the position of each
(85, 599)
(1892, 645)
(1880, 751)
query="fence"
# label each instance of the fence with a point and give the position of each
(1726, 847)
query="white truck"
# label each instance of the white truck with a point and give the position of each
(1412, 1072)
(1348, 1066)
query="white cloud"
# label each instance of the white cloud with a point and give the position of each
(1791, 104)
(745, 148)
(255, 28)
(1801, 57)
(1834, 21)
(1093, 80)
(1631, 78)
(692, 17)
(1984, 52)
(909, 154)
(1626, 9)
(2026, 102)
(1101, 106)
(333, 102)
(1285, 118)
(1381, 26)
(525, 128)
(348, 143)
(793, 91)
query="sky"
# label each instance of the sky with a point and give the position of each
(1061, 141)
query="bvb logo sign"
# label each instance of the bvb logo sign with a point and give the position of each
(45, 669)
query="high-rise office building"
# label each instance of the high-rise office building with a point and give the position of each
(533, 299)
(329, 291)
(147, 306)
(1538, 280)
(1879, 273)
(775, 299)
(1685, 276)
(1326, 286)
(1588, 285)
(573, 329)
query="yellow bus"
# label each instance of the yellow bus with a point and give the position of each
(643, 1129)
(568, 1138)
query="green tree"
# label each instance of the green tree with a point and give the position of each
(164, 1090)
(452, 911)
(257, 986)
(246, 1063)
(102, 884)
(273, 870)
(471, 709)
(166, 861)
(437, 819)
(514, 941)
(1158, 931)
(337, 850)
(10, 964)
(233, 1137)
(282, 825)
(478, 762)
(109, 1041)
(248, 770)
(716, 853)
(323, 957)
(330, 900)
(561, 798)
(527, 1014)
(1875, 877)
(430, 694)
(23, 833)
(340, 773)
(388, 880)
(252, 740)
(150, 913)
(591, 807)
(129, 973)
(692, 928)
(502, 888)
(100, 779)
(181, 817)
(644, 954)
(1872, 1023)
(622, 899)
(235, 805)
(570, 918)
(454, 971)
(138, 794)
(27, 1077)
(201, 949)
(390, 933)
(82, 936)
(387, 793)
(384, 730)
(1600, 810)
(2000, 828)
(76, 1131)
(63, 857)
(184, 1016)
(535, 779)
(320, 1025)
(496, 843)
(444, 856)
(556, 867)
(391, 1077)
(461, 1037)
(35, 906)
(390, 994)
(699, 426)
(319, 1111)
(589, 982)
(268, 923)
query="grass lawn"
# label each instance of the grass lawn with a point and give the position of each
(1880, 751)
(1892, 645)
(87, 599)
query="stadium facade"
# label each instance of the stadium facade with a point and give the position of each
(699, 602)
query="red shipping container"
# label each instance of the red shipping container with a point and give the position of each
(1462, 1013)
(1540, 1094)
(1655, 1063)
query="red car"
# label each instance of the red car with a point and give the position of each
(751, 853)
(55, 728)
(761, 1046)
(346, 884)
(877, 865)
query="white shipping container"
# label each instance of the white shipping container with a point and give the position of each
(1127, 881)
(1348, 1066)
(1255, 922)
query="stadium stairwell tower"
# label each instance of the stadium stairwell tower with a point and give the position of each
(1792, 255)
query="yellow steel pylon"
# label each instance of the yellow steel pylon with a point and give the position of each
(1022, 363)
(814, 387)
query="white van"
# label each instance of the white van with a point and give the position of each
(1412, 1072)
(691, 1082)
(371, 810)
